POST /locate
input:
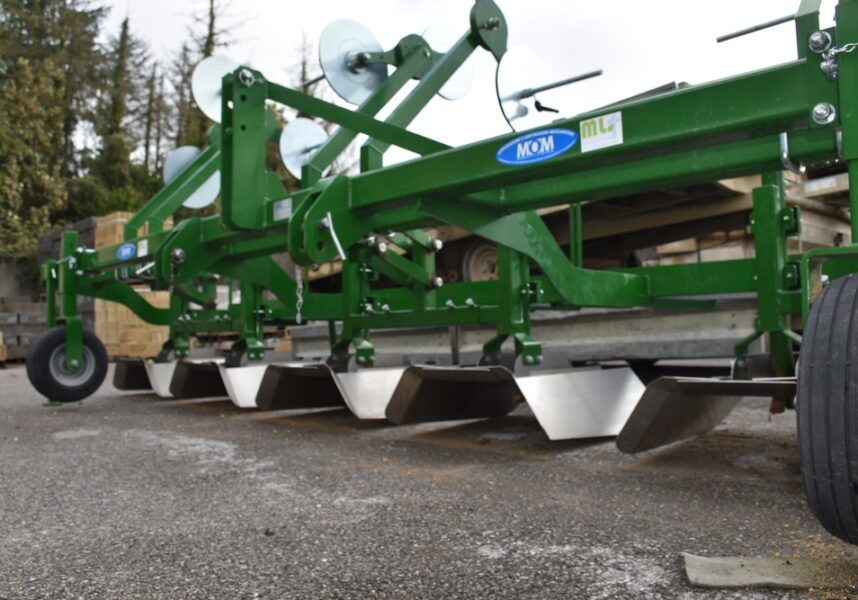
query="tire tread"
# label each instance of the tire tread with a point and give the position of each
(827, 413)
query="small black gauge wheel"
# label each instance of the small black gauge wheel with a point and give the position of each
(47, 371)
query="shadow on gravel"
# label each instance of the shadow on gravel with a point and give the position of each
(771, 456)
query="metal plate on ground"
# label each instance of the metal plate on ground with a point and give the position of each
(298, 387)
(339, 46)
(130, 375)
(781, 573)
(448, 394)
(242, 383)
(582, 404)
(367, 392)
(197, 379)
(668, 412)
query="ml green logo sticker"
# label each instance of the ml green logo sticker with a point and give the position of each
(602, 132)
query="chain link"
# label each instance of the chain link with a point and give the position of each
(844, 49)
(299, 293)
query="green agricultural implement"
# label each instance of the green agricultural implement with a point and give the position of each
(800, 114)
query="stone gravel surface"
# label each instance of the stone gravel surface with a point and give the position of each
(130, 496)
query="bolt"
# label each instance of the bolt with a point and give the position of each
(427, 53)
(178, 256)
(382, 248)
(528, 359)
(450, 304)
(824, 113)
(385, 308)
(323, 223)
(74, 363)
(437, 245)
(246, 77)
(361, 360)
(830, 68)
(79, 273)
(819, 41)
(437, 282)
(492, 23)
(470, 302)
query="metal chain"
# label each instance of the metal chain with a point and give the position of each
(299, 293)
(844, 49)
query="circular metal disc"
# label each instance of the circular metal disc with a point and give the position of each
(441, 39)
(520, 70)
(299, 141)
(176, 162)
(338, 44)
(206, 84)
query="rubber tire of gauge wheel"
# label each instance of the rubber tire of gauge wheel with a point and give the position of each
(46, 366)
(479, 255)
(827, 407)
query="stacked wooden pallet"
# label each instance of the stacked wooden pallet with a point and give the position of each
(121, 331)
(125, 334)
(21, 322)
(821, 226)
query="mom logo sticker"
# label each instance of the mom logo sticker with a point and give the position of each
(537, 146)
(126, 251)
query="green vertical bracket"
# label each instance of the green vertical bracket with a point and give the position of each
(68, 283)
(514, 310)
(772, 222)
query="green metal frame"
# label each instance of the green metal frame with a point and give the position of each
(374, 220)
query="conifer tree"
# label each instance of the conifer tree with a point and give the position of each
(32, 188)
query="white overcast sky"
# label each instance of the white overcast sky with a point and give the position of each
(639, 44)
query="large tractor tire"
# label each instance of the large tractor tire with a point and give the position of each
(47, 370)
(827, 407)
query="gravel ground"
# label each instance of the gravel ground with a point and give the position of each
(129, 496)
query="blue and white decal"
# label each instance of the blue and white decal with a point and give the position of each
(537, 146)
(126, 251)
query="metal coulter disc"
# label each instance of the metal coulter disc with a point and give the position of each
(206, 84)
(441, 39)
(340, 45)
(299, 141)
(521, 70)
(176, 162)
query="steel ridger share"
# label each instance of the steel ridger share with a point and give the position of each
(789, 117)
